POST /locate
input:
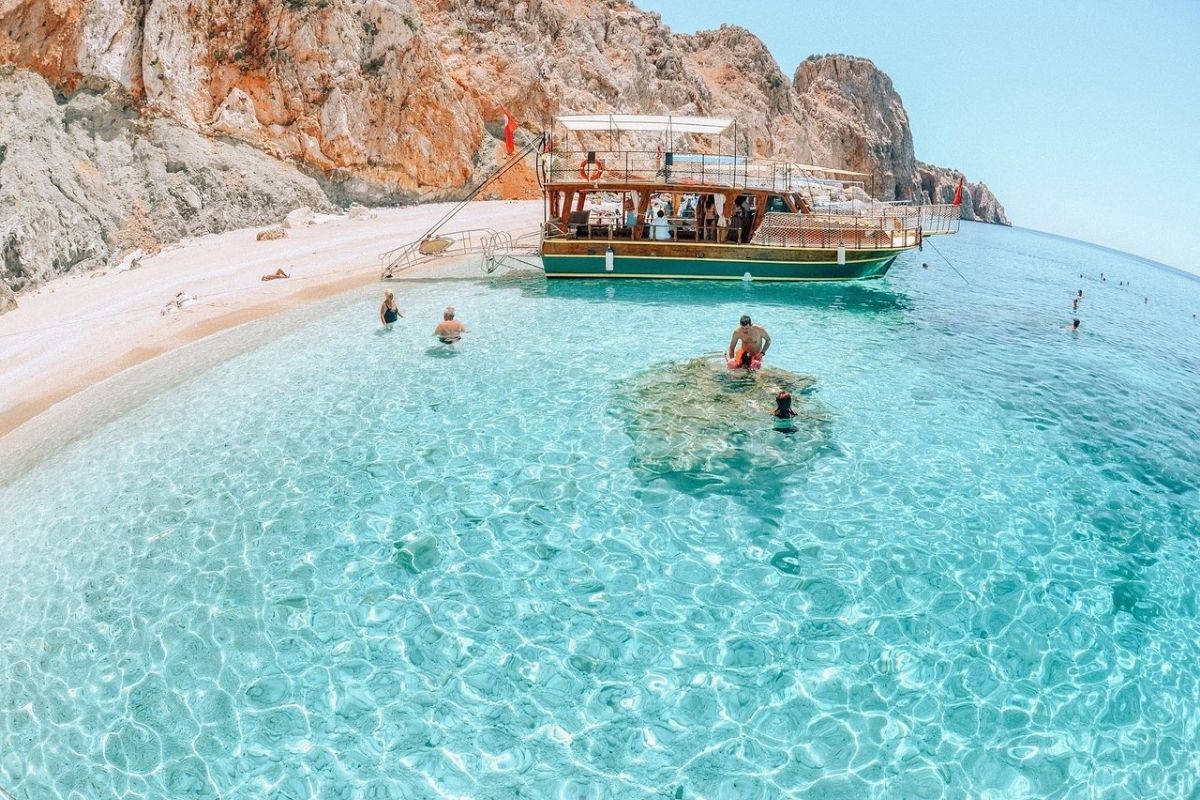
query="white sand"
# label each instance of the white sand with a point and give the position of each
(79, 330)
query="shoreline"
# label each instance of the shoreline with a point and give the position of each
(77, 331)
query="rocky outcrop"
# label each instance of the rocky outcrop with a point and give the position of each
(8, 300)
(744, 80)
(350, 88)
(85, 178)
(377, 101)
(978, 203)
(853, 119)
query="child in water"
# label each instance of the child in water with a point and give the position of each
(785, 417)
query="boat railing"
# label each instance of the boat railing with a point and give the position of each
(940, 218)
(778, 229)
(704, 170)
(456, 243)
(859, 232)
(677, 229)
(597, 167)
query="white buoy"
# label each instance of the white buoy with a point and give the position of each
(842, 255)
(608, 260)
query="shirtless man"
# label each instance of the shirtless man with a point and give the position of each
(751, 343)
(449, 330)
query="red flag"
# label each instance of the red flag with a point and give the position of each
(510, 127)
(958, 192)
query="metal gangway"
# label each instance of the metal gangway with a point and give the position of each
(496, 249)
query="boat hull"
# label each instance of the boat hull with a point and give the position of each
(669, 260)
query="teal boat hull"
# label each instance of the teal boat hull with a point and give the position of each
(857, 266)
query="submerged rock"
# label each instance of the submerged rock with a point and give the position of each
(418, 555)
(704, 426)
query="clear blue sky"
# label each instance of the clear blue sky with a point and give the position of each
(1082, 117)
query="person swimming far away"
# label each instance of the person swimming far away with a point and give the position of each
(388, 312)
(449, 330)
(750, 342)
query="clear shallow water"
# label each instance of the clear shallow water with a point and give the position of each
(349, 565)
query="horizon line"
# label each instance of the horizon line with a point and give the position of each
(1187, 273)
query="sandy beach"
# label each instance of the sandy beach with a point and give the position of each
(82, 329)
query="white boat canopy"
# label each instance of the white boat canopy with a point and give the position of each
(709, 126)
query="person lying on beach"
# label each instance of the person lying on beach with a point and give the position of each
(276, 275)
(388, 313)
(449, 330)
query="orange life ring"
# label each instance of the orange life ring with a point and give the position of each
(591, 170)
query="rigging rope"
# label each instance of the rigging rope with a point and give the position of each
(513, 160)
(939, 252)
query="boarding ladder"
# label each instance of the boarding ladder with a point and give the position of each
(498, 248)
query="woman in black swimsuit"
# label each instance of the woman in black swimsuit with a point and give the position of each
(388, 313)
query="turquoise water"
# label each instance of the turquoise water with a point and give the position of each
(350, 565)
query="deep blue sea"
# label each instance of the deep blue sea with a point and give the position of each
(570, 558)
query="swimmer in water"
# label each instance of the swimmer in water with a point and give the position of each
(449, 330)
(750, 342)
(1074, 326)
(785, 417)
(388, 313)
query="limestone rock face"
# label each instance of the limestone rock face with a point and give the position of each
(744, 81)
(978, 203)
(334, 84)
(852, 118)
(85, 180)
(8, 300)
(147, 108)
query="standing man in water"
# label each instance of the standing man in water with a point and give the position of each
(449, 330)
(751, 343)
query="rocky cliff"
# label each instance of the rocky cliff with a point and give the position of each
(978, 203)
(172, 117)
(86, 178)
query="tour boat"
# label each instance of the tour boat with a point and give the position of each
(694, 207)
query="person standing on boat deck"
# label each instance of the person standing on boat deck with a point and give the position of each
(709, 218)
(750, 342)
(449, 330)
(660, 229)
(388, 313)
(630, 213)
(740, 223)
